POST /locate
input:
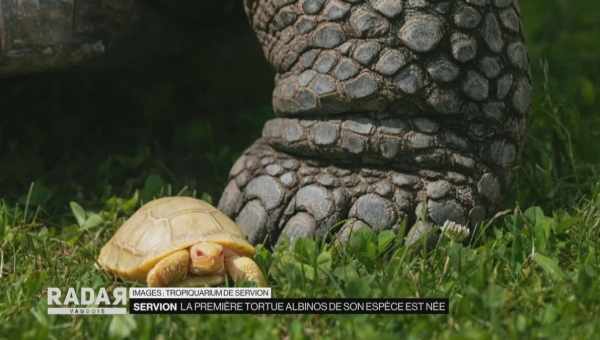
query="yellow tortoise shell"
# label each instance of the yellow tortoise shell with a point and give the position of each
(164, 226)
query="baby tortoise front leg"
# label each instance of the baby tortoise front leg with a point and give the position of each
(171, 269)
(243, 268)
(204, 264)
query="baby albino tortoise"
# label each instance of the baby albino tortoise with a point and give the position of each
(180, 241)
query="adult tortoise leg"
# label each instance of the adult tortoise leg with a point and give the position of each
(383, 105)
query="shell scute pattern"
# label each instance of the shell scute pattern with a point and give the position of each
(164, 226)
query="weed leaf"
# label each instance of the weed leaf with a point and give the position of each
(78, 212)
(121, 326)
(549, 265)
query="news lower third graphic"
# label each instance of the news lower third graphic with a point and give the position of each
(88, 301)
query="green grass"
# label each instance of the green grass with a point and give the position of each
(525, 275)
(533, 272)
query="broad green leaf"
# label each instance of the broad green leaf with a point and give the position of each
(324, 261)
(542, 226)
(346, 272)
(206, 197)
(495, 296)
(358, 287)
(588, 91)
(263, 258)
(296, 330)
(385, 239)
(121, 326)
(308, 271)
(78, 212)
(130, 204)
(152, 187)
(549, 265)
(92, 221)
(306, 250)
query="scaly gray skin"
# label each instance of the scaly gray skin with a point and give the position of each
(383, 106)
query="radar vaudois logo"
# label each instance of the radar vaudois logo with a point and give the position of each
(87, 301)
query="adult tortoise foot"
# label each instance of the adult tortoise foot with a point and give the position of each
(369, 172)
(382, 105)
